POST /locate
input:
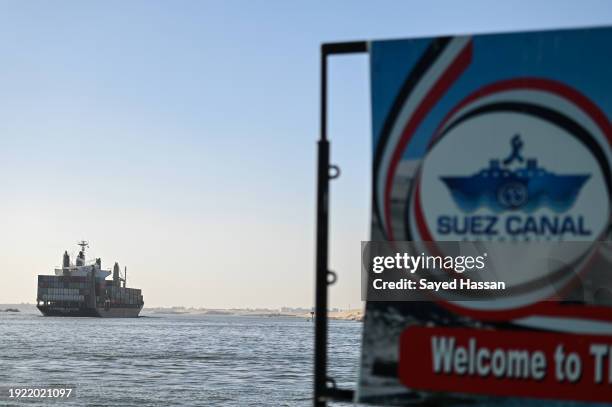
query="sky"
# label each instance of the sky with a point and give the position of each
(179, 138)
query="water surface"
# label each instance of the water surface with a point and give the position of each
(190, 360)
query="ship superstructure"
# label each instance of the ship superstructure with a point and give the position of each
(80, 289)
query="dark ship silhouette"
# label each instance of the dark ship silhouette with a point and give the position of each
(80, 289)
(528, 188)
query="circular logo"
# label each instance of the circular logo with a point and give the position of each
(524, 160)
(512, 195)
(520, 162)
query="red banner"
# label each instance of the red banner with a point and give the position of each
(507, 363)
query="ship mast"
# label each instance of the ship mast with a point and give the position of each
(84, 244)
(80, 260)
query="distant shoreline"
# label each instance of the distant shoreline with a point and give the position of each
(344, 315)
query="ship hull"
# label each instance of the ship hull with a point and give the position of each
(117, 312)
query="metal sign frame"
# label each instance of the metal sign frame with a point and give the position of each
(325, 387)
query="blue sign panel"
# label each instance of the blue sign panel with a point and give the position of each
(494, 138)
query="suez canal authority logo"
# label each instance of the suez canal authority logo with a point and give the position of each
(521, 159)
(547, 178)
(511, 195)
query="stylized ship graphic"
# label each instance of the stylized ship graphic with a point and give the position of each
(527, 188)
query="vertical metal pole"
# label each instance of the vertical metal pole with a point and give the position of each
(321, 390)
(320, 365)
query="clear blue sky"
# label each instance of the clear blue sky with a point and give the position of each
(179, 137)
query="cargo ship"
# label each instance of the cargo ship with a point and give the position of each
(82, 290)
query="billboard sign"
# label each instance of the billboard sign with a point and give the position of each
(503, 139)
